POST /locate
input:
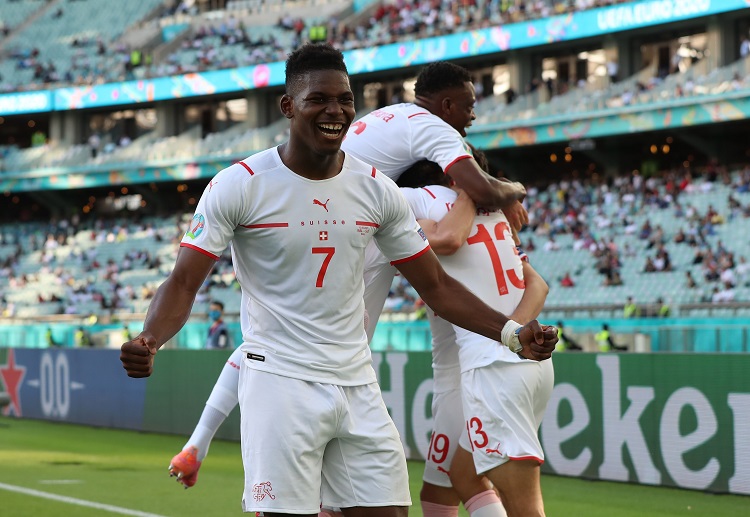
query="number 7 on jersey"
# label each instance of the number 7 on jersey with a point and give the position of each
(328, 252)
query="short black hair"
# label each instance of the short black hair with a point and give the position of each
(217, 302)
(439, 76)
(422, 173)
(312, 57)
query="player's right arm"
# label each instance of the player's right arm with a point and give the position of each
(168, 312)
(217, 215)
(486, 191)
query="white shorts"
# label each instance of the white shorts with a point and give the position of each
(448, 425)
(306, 442)
(504, 404)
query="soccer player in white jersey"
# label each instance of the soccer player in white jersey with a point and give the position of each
(528, 292)
(445, 237)
(298, 218)
(500, 424)
(431, 128)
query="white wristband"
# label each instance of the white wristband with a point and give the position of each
(508, 330)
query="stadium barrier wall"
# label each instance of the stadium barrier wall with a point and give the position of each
(680, 420)
(662, 334)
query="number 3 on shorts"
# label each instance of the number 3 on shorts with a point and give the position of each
(474, 427)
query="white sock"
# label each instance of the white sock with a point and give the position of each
(220, 403)
(485, 504)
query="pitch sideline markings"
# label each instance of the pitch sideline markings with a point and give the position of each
(73, 500)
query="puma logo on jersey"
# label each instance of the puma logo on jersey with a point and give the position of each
(441, 469)
(211, 184)
(316, 202)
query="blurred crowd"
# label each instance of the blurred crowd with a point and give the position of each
(96, 60)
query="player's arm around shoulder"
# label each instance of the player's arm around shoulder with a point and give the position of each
(486, 191)
(449, 234)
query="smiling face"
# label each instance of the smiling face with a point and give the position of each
(459, 112)
(321, 108)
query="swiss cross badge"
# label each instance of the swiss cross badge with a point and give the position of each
(323, 236)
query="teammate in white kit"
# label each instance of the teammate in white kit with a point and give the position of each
(525, 291)
(432, 128)
(299, 218)
(445, 237)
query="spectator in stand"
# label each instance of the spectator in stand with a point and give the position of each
(724, 295)
(745, 47)
(690, 281)
(743, 268)
(551, 245)
(567, 281)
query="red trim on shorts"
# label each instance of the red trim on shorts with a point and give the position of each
(524, 458)
(430, 193)
(374, 170)
(407, 259)
(367, 223)
(199, 250)
(420, 113)
(246, 167)
(451, 164)
(266, 225)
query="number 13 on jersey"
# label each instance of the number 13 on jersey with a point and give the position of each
(483, 236)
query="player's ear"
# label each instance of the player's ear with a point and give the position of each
(446, 104)
(286, 104)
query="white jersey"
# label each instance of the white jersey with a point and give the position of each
(298, 248)
(489, 248)
(395, 137)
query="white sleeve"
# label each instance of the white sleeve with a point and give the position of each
(434, 140)
(218, 213)
(417, 201)
(399, 236)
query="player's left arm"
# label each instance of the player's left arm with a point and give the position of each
(449, 234)
(534, 296)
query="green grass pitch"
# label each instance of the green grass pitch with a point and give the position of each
(49, 469)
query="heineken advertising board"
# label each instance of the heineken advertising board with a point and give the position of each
(679, 420)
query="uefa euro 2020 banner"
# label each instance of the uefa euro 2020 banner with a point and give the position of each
(678, 420)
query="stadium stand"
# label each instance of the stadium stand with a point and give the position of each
(75, 36)
(83, 52)
(601, 235)
(596, 243)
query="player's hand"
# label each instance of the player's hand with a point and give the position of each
(519, 191)
(511, 191)
(538, 341)
(517, 216)
(137, 355)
